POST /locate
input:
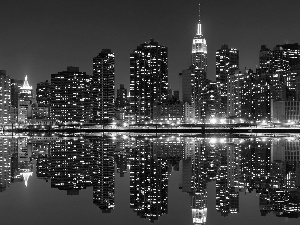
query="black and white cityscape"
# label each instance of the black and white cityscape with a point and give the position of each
(267, 94)
(85, 147)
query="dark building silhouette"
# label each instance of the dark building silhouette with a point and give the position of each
(15, 91)
(122, 102)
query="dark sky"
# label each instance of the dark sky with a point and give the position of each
(39, 37)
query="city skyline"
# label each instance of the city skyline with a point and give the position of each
(42, 39)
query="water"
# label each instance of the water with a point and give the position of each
(119, 179)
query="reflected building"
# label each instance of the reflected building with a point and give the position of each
(121, 161)
(43, 167)
(148, 181)
(268, 166)
(228, 179)
(5, 163)
(24, 163)
(70, 164)
(103, 173)
(195, 177)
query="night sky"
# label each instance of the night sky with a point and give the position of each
(39, 38)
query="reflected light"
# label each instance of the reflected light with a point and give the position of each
(26, 176)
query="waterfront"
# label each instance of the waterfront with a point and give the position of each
(166, 179)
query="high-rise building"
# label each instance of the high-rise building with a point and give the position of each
(122, 102)
(103, 86)
(199, 49)
(194, 78)
(24, 102)
(43, 93)
(211, 101)
(227, 62)
(5, 98)
(292, 54)
(199, 71)
(148, 79)
(70, 96)
(15, 91)
(265, 58)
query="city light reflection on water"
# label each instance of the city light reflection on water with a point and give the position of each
(211, 177)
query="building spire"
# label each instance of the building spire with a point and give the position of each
(199, 13)
(199, 31)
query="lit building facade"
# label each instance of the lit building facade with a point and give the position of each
(168, 113)
(5, 98)
(148, 79)
(122, 102)
(43, 93)
(285, 111)
(199, 49)
(211, 101)
(227, 62)
(234, 94)
(199, 72)
(70, 164)
(70, 96)
(103, 87)
(24, 102)
(148, 181)
(103, 177)
(5, 163)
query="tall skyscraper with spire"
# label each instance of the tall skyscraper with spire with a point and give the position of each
(199, 49)
(193, 79)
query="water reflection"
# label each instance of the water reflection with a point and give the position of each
(268, 166)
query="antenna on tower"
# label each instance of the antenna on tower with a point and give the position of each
(199, 32)
(199, 12)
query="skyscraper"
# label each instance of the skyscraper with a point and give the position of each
(70, 96)
(24, 101)
(103, 86)
(198, 72)
(121, 100)
(43, 93)
(199, 49)
(15, 91)
(227, 62)
(194, 78)
(148, 79)
(5, 98)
